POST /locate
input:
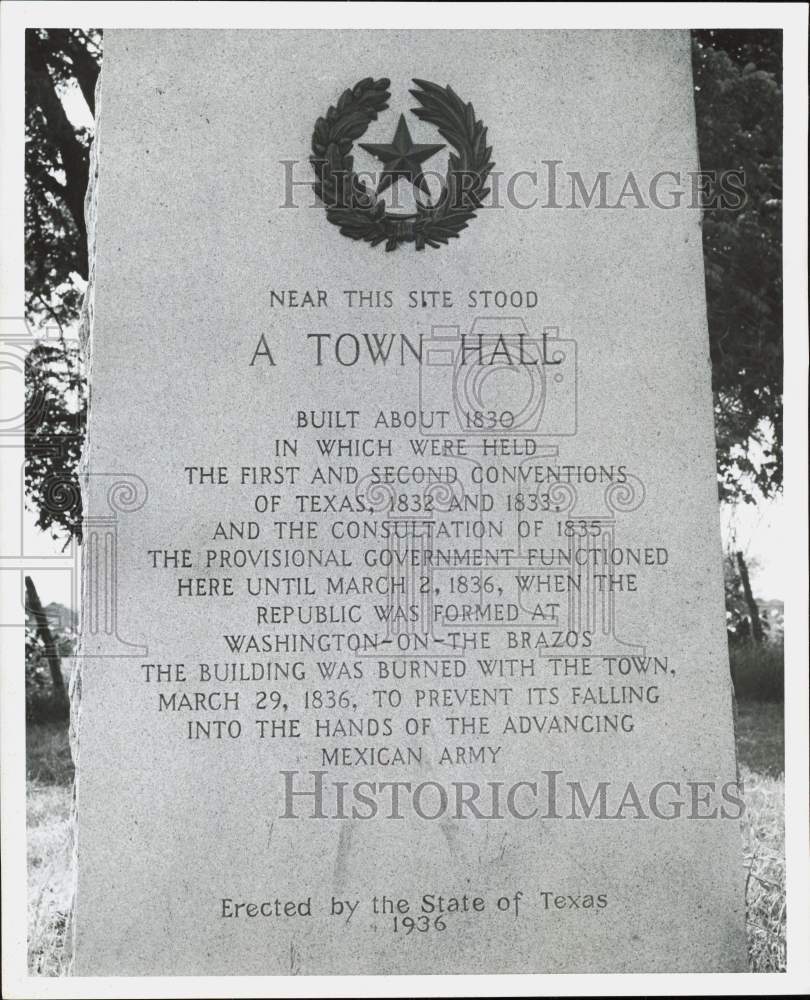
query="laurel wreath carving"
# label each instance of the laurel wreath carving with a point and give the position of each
(356, 210)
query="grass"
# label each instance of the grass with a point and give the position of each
(760, 750)
(760, 733)
(47, 754)
(763, 831)
(758, 671)
(49, 846)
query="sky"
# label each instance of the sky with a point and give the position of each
(761, 535)
(75, 106)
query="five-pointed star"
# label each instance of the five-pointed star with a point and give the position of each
(402, 158)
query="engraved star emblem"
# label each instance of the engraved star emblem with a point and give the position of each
(402, 158)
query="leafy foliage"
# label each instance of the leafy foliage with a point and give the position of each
(738, 611)
(739, 114)
(57, 165)
(55, 416)
(40, 702)
(56, 169)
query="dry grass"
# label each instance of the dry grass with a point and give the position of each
(761, 754)
(49, 876)
(760, 745)
(49, 848)
(764, 851)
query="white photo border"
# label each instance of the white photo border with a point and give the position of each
(792, 18)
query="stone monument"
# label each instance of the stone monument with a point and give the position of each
(403, 628)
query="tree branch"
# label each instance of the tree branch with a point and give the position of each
(74, 156)
(85, 67)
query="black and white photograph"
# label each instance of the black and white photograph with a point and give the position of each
(403, 526)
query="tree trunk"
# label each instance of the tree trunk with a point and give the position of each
(75, 158)
(753, 610)
(44, 632)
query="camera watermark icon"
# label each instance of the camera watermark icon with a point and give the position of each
(501, 379)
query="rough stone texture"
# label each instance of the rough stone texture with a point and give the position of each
(189, 241)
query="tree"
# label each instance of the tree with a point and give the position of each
(738, 99)
(744, 620)
(57, 165)
(55, 417)
(50, 649)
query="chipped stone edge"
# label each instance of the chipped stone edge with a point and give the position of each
(75, 688)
